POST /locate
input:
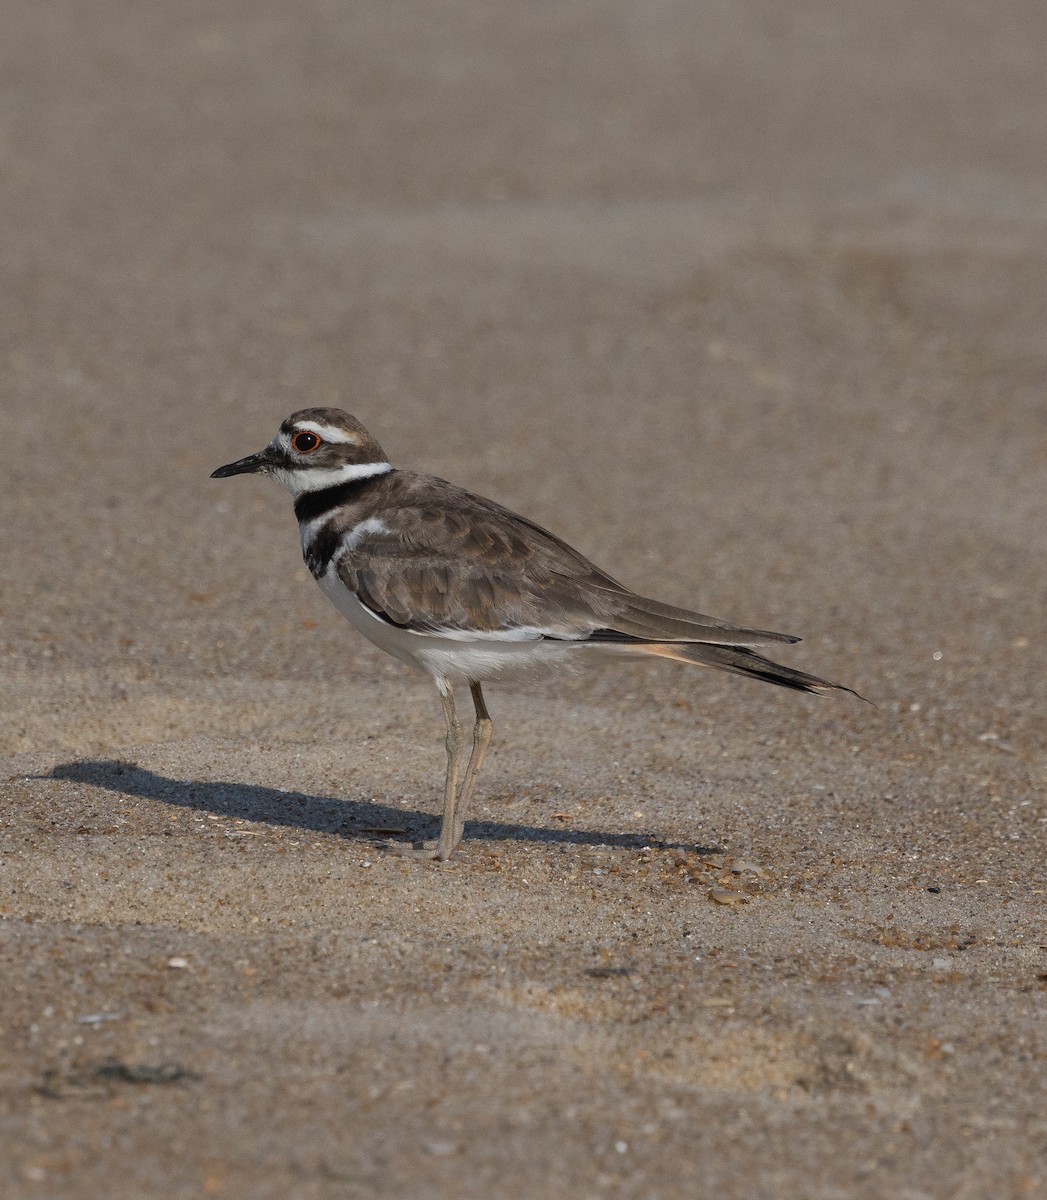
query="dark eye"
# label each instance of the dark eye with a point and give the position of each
(305, 442)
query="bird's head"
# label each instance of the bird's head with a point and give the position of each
(313, 449)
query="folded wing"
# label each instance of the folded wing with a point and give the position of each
(456, 564)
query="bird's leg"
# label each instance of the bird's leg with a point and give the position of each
(448, 841)
(482, 733)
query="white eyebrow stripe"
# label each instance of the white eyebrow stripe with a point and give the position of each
(328, 432)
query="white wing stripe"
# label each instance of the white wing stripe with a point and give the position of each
(517, 633)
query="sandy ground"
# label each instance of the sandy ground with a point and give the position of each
(747, 300)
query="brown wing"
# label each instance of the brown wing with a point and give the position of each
(452, 562)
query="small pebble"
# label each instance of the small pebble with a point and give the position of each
(748, 868)
(178, 963)
(99, 1018)
(723, 896)
(439, 1149)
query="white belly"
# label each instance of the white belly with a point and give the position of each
(458, 658)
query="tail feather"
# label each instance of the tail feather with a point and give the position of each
(742, 661)
(651, 620)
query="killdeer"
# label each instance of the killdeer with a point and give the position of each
(468, 591)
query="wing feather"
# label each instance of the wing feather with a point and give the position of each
(448, 561)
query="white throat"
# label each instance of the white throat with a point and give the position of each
(299, 480)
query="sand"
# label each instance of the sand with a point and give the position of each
(747, 301)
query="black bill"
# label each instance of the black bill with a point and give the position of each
(262, 461)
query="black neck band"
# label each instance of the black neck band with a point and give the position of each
(314, 504)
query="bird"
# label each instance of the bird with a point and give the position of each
(468, 591)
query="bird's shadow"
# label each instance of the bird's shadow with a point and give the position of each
(359, 820)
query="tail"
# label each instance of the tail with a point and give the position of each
(741, 661)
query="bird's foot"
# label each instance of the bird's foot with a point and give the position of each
(429, 848)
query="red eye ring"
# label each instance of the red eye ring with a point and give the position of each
(305, 441)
